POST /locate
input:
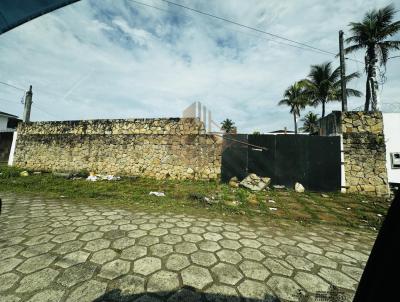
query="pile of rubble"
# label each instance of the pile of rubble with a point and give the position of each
(256, 183)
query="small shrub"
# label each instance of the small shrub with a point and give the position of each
(9, 172)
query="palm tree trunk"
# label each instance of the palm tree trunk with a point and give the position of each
(295, 122)
(323, 108)
(374, 85)
(367, 93)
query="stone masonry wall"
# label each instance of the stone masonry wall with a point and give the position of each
(364, 153)
(159, 148)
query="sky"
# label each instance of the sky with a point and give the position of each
(120, 59)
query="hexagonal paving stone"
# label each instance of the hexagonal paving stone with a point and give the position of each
(203, 258)
(114, 269)
(250, 243)
(310, 248)
(128, 285)
(76, 274)
(91, 236)
(337, 278)
(253, 290)
(227, 273)
(72, 259)
(300, 262)
(177, 262)
(134, 252)
(321, 260)
(311, 282)
(148, 240)
(10, 251)
(219, 293)
(158, 232)
(278, 266)
(231, 235)
(229, 256)
(97, 244)
(7, 281)
(292, 250)
(196, 276)
(160, 250)
(102, 222)
(356, 255)
(103, 256)
(192, 238)
(136, 233)
(48, 295)
(39, 239)
(185, 248)
(147, 265)
(252, 254)
(341, 258)
(284, 287)
(65, 237)
(197, 230)
(37, 281)
(163, 282)
(123, 243)
(68, 247)
(254, 270)
(178, 231)
(8, 264)
(212, 236)
(36, 263)
(353, 272)
(147, 226)
(87, 292)
(37, 249)
(171, 239)
(230, 244)
(268, 241)
(128, 227)
(209, 246)
(86, 228)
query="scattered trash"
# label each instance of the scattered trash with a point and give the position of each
(62, 174)
(230, 203)
(92, 178)
(62, 196)
(273, 209)
(37, 173)
(158, 194)
(364, 201)
(379, 215)
(298, 187)
(325, 195)
(24, 173)
(255, 183)
(348, 208)
(234, 182)
(271, 201)
(279, 187)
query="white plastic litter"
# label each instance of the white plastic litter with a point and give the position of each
(273, 209)
(92, 178)
(158, 194)
(271, 201)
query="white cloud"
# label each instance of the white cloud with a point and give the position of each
(115, 59)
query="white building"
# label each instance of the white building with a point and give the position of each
(8, 122)
(391, 129)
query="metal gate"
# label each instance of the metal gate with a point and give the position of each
(314, 161)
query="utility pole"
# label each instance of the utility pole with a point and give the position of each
(342, 72)
(28, 104)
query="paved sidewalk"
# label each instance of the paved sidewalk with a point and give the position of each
(59, 250)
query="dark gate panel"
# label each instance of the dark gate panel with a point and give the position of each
(324, 172)
(234, 157)
(261, 161)
(314, 161)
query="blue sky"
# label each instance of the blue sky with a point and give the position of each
(117, 59)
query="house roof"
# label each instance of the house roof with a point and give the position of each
(8, 114)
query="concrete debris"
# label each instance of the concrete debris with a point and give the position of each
(255, 183)
(298, 187)
(278, 187)
(158, 194)
(234, 182)
(325, 195)
(93, 177)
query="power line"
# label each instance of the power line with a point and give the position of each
(15, 87)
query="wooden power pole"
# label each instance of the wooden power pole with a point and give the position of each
(342, 72)
(28, 104)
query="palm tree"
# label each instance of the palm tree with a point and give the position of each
(295, 98)
(310, 123)
(227, 125)
(323, 85)
(372, 34)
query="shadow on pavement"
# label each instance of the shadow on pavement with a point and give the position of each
(185, 294)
